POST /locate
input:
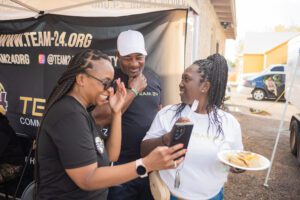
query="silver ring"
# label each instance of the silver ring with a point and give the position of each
(175, 164)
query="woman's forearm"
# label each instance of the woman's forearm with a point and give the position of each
(113, 143)
(92, 177)
(105, 177)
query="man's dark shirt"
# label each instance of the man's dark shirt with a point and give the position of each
(138, 117)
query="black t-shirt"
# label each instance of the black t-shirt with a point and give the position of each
(6, 134)
(66, 141)
(11, 150)
(137, 119)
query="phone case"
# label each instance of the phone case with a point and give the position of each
(181, 133)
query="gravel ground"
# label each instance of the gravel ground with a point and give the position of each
(259, 135)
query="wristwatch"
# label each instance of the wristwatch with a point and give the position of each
(140, 168)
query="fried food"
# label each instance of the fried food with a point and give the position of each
(238, 161)
(244, 159)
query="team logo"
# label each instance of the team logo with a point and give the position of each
(3, 101)
(99, 145)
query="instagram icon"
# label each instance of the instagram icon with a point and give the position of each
(42, 59)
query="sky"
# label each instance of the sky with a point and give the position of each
(262, 16)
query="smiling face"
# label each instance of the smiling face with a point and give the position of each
(97, 81)
(132, 64)
(192, 86)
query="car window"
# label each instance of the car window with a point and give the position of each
(277, 69)
(267, 76)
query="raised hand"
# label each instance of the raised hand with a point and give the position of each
(168, 136)
(139, 82)
(117, 99)
(164, 157)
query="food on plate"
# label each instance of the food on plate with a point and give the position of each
(244, 159)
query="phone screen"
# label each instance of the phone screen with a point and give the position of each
(181, 133)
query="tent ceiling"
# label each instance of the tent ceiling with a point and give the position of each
(15, 9)
(225, 10)
(57, 5)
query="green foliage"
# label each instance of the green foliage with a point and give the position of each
(231, 64)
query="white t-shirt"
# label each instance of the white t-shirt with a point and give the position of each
(202, 175)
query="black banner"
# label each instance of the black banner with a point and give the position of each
(34, 52)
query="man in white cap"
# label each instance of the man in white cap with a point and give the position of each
(143, 100)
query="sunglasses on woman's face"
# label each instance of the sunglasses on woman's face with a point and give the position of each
(106, 83)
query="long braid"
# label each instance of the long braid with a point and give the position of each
(78, 64)
(218, 81)
(215, 71)
(218, 78)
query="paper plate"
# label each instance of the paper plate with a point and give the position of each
(256, 161)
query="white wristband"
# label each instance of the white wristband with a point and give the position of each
(134, 91)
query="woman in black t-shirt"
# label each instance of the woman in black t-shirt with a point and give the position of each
(72, 158)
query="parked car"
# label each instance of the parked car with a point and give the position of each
(269, 84)
(278, 68)
(292, 63)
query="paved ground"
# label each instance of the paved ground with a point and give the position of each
(242, 103)
(259, 134)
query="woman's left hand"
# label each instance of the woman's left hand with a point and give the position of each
(117, 99)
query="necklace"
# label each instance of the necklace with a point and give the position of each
(177, 176)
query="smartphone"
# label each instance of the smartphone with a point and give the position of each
(114, 85)
(181, 133)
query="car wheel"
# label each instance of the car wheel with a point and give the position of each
(298, 149)
(294, 132)
(258, 94)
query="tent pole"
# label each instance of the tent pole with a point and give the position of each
(282, 119)
(26, 6)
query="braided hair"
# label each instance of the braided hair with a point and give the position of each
(213, 69)
(78, 64)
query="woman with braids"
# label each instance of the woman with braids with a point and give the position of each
(72, 158)
(201, 175)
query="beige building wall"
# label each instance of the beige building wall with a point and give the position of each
(211, 33)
